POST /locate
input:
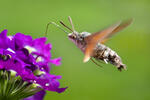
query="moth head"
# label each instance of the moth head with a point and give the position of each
(73, 36)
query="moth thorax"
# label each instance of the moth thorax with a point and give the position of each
(85, 34)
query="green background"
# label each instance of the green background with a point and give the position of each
(86, 81)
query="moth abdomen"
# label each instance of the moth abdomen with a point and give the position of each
(107, 55)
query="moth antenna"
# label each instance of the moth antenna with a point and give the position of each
(95, 62)
(70, 20)
(66, 26)
(56, 26)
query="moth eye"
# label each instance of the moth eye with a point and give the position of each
(73, 36)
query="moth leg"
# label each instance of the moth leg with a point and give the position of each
(101, 61)
(95, 62)
(105, 60)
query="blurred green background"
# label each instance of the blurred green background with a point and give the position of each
(86, 81)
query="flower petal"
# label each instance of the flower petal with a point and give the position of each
(4, 40)
(56, 61)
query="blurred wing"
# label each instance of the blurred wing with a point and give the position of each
(122, 25)
(102, 36)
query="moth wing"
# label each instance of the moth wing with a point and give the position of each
(102, 37)
(93, 39)
(122, 25)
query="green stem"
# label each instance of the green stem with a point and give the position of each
(12, 87)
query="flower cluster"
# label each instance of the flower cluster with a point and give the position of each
(29, 59)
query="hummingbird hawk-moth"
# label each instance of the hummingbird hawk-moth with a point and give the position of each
(92, 45)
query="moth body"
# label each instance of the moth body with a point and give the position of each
(100, 52)
(92, 45)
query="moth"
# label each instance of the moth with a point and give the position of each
(92, 45)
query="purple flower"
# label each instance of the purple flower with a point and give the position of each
(30, 59)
